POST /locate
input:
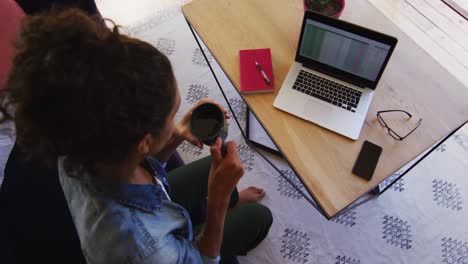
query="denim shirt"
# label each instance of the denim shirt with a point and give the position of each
(129, 223)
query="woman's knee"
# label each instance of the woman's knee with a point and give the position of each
(265, 214)
(260, 219)
(260, 215)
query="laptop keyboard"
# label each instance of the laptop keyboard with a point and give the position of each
(328, 91)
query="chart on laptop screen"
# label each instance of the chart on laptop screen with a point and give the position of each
(343, 50)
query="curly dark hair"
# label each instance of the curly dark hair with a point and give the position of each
(84, 91)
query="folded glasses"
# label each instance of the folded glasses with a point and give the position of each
(390, 131)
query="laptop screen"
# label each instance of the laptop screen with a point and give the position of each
(343, 50)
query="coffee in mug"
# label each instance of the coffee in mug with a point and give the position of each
(207, 123)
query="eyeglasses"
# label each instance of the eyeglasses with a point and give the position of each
(389, 130)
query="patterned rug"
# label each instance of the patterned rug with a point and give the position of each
(420, 219)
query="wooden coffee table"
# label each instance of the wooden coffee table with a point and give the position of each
(413, 81)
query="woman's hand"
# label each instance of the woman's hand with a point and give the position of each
(225, 172)
(182, 129)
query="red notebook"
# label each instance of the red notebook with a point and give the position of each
(251, 78)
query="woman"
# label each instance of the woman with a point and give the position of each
(100, 106)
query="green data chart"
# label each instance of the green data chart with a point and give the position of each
(343, 50)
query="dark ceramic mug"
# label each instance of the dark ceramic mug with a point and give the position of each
(207, 123)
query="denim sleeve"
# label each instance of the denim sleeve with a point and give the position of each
(178, 250)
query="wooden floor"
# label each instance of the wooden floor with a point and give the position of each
(437, 28)
(461, 6)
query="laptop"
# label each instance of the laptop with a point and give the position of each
(335, 73)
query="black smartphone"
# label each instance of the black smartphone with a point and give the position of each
(367, 160)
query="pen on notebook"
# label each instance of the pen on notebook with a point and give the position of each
(265, 77)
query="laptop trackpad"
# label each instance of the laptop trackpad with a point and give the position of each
(317, 112)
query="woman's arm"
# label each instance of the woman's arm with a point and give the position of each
(225, 172)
